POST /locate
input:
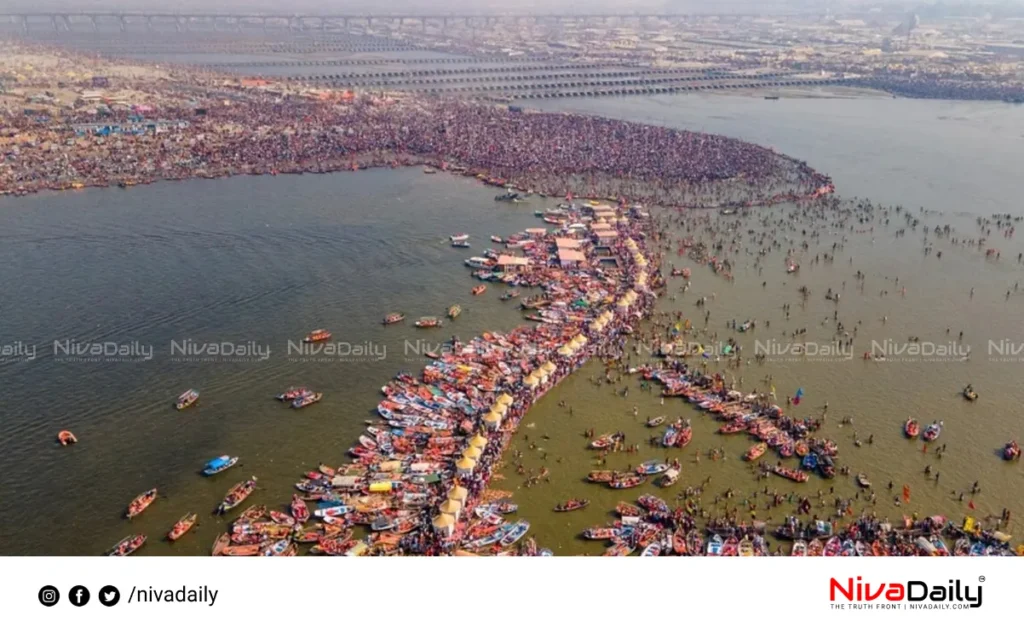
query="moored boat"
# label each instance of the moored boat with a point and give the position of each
(629, 481)
(755, 451)
(140, 503)
(128, 545)
(461, 237)
(651, 467)
(186, 399)
(183, 525)
(299, 509)
(236, 495)
(793, 475)
(670, 477)
(799, 548)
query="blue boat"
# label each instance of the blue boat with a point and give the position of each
(810, 461)
(219, 465)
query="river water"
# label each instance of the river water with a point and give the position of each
(259, 262)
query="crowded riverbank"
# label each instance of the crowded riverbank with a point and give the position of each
(175, 125)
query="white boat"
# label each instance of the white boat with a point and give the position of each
(461, 237)
(479, 262)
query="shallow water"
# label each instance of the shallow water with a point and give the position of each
(264, 260)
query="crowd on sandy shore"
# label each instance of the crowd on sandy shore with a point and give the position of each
(214, 126)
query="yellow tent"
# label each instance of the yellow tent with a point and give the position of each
(531, 380)
(466, 464)
(492, 417)
(549, 367)
(458, 493)
(471, 453)
(444, 521)
(451, 506)
(499, 408)
(506, 399)
(478, 441)
(564, 351)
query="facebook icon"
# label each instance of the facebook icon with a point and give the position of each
(79, 596)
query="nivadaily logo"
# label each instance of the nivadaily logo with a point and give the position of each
(913, 594)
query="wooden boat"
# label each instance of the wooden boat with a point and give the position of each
(317, 336)
(299, 509)
(478, 290)
(393, 317)
(605, 441)
(128, 545)
(863, 481)
(911, 428)
(218, 546)
(932, 431)
(962, 547)
(277, 548)
(619, 549)
(746, 547)
(815, 548)
(292, 393)
(140, 503)
(241, 550)
(755, 451)
(651, 467)
(238, 493)
(281, 518)
(497, 239)
(511, 294)
(1011, 450)
(670, 477)
(601, 476)
(799, 549)
(454, 311)
(516, 531)
(461, 237)
(629, 510)
(66, 437)
(186, 399)
(654, 549)
(655, 421)
(572, 504)
(679, 547)
(308, 399)
(219, 465)
(730, 547)
(428, 322)
(629, 481)
(833, 547)
(252, 513)
(183, 525)
(801, 448)
(793, 475)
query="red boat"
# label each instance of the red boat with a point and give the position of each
(736, 426)
(140, 503)
(630, 481)
(128, 545)
(477, 290)
(183, 525)
(299, 509)
(911, 428)
(317, 336)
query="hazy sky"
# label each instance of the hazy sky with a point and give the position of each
(383, 7)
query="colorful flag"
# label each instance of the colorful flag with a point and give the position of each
(799, 394)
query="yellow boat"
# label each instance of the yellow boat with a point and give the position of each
(454, 311)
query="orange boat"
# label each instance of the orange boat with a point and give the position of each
(222, 542)
(911, 428)
(317, 336)
(479, 290)
(756, 451)
(140, 503)
(66, 437)
(183, 525)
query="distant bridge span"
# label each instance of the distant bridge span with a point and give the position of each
(62, 20)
